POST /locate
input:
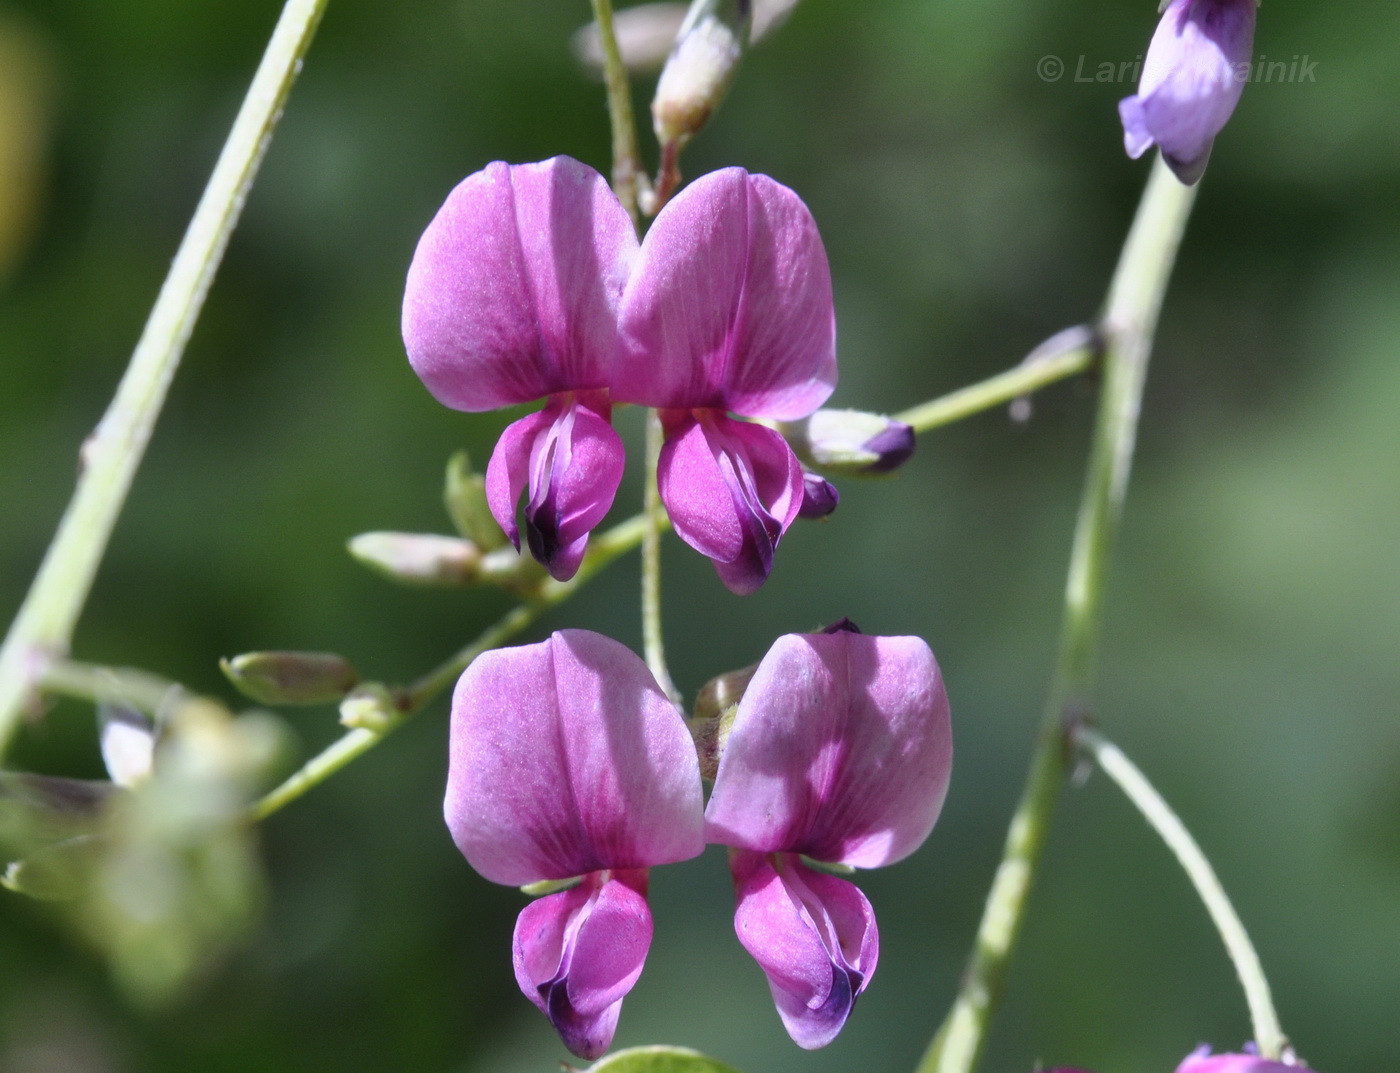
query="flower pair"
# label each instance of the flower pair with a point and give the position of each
(530, 284)
(569, 764)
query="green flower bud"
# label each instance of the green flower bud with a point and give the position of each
(850, 441)
(370, 707)
(713, 718)
(464, 495)
(700, 68)
(419, 558)
(291, 677)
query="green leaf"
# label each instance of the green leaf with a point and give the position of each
(659, 1060)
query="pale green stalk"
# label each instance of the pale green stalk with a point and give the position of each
(1127, 326)
(627, 166)
(653, 643)
(43, 629)
(1114, 763)
(602, 550)
(998, 390)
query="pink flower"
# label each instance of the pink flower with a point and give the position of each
(568, 761)
(840, 753)
(1196, 68)
(512, 296)
(1202, 1061)
(729, 309)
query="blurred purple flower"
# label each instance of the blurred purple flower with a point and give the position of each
(511, 297)
(1196, 68)
(729, 309)
(840, 752)
(1202, 1061)
(568, 761)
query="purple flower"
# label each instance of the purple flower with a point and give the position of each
(840, 753)
(568, 761)
(1195, 71)
(512, 297)
(1202, 1061)
(729, 310)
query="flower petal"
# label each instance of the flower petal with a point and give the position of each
(1195, 71)
(841, 750)
(731, 489)
(813, 935)
(566, 758)
(578, 953)
(1203, 1062)
(572, 460)
(513, 291)
(730, 304)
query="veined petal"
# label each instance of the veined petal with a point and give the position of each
(566, 758)
(731, 489)
(1202, 1061)
(1195, 71)
(813, 935)
(841, 750)
(578, 952)
(572, 461)
(730, 304)
(512, 294)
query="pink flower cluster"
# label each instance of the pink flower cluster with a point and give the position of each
(530, 284)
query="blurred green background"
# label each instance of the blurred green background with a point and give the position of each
(970, 208)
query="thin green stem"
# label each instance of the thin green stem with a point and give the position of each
(627, 162)
(1030, 376)
(1127, 326)
(141, 690)
(603, 550)
(43, 629)
(653, 644)
(1114, 763)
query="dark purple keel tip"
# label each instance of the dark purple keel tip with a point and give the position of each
(893, 447)
(843, 625)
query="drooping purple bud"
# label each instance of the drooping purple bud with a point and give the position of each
(819, 496)
(1196, 68)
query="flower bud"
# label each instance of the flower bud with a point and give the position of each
(370, 707)
(701, 66)
(713, 716)
(464, 495)
(850, 441)
(128, 740)
(419, 558)
(291, 677)
(819, 496)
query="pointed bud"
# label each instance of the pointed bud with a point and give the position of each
(819, 495)
(370, 707)
(700, 68)
(850, 441)
(419, 558)
(54, 873)
(464, 495)
(291, 677)
(128, 740)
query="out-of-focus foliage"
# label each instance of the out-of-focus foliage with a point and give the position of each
(971, 208)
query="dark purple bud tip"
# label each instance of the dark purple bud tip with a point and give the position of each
(893, 446)
(843, 625)
(819, 496)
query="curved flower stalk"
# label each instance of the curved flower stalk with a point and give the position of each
(729, 309)
(1202, 1061)
(840, 752)
(568, 761)
(1196, 68)
(511, 297)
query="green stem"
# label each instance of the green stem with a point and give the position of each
(1127, 326)
(603, 549)
(1033, 374)
(627, 162)
(653, 644)
(141, 690)
(43, 629)
(1268, 1033)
